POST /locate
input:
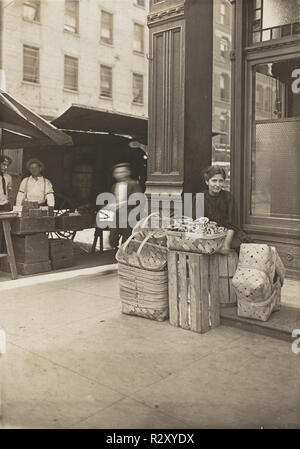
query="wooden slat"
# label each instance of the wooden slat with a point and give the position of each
(232, 262)
(173, 288)
(183, 296)
(194, 267)
(232, 295)
(204, 293)
(214, 290)
(10, 250)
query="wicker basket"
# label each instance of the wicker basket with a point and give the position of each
(261, 310)
(204, 244)
(144, 253)
(144, 293)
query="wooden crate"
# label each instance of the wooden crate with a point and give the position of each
(60, 247)
(194, 291)
(61, 253)
(29, 268)
(30, 225)
(74, 222)
(31, 248)
(227, 268)
(62, 262)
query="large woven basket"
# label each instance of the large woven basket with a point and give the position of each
(206, 244)
(141, 252)
(144, 293)
(261, 310)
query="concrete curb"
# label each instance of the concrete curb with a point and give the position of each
(45, 278)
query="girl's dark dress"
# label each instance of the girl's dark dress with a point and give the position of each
(219, 208)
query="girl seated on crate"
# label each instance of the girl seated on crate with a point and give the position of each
(218, 207)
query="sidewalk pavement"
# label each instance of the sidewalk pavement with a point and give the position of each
(74, 361)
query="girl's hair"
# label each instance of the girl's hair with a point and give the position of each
(213, 170)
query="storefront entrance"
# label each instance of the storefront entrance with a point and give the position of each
(267, 140)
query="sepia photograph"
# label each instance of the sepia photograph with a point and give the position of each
(149, 217)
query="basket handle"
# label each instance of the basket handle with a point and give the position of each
(123, 248)
(141, 247)
(142, 222)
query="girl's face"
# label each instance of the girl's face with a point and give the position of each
(215, 184)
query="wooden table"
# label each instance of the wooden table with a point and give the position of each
(5, 218)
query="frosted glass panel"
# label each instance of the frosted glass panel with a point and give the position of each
(276, 170)
(279, 12)
(274, 19)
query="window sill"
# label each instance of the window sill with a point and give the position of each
(102, 97)
(137, 104)
(37, 22)
(71, 33)
(31, 83)
(140, 6)
(70, 91)
(106, 44)
(138, 53)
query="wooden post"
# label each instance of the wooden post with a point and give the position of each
(180, 95)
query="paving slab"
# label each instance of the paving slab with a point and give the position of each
(40, 394)
(250, 386)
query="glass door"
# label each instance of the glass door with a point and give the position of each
(273, 165)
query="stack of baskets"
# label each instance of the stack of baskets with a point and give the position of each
(258, 281)
(143, 276)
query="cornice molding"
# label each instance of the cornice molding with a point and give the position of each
(173, 13)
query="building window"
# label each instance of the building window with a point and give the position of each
(106, 81)
(140, 3)
(71, 16)
(31, 64)
(31, 10)
(106, 34)
(138, 88)
(222, 13)
(274, 19)
(71, 73)
(138, 39)
(224, 86)
(224, 47)
(259, 97)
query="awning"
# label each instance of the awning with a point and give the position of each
(21, 127)
(84, 118)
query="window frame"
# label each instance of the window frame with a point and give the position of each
(27, 19)
(106, 66)
(111, 14)
(69, 89)
(224, 39)
(32, 47)
(137, 74)
(76, 32)
(140, 6)
(141, 25)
